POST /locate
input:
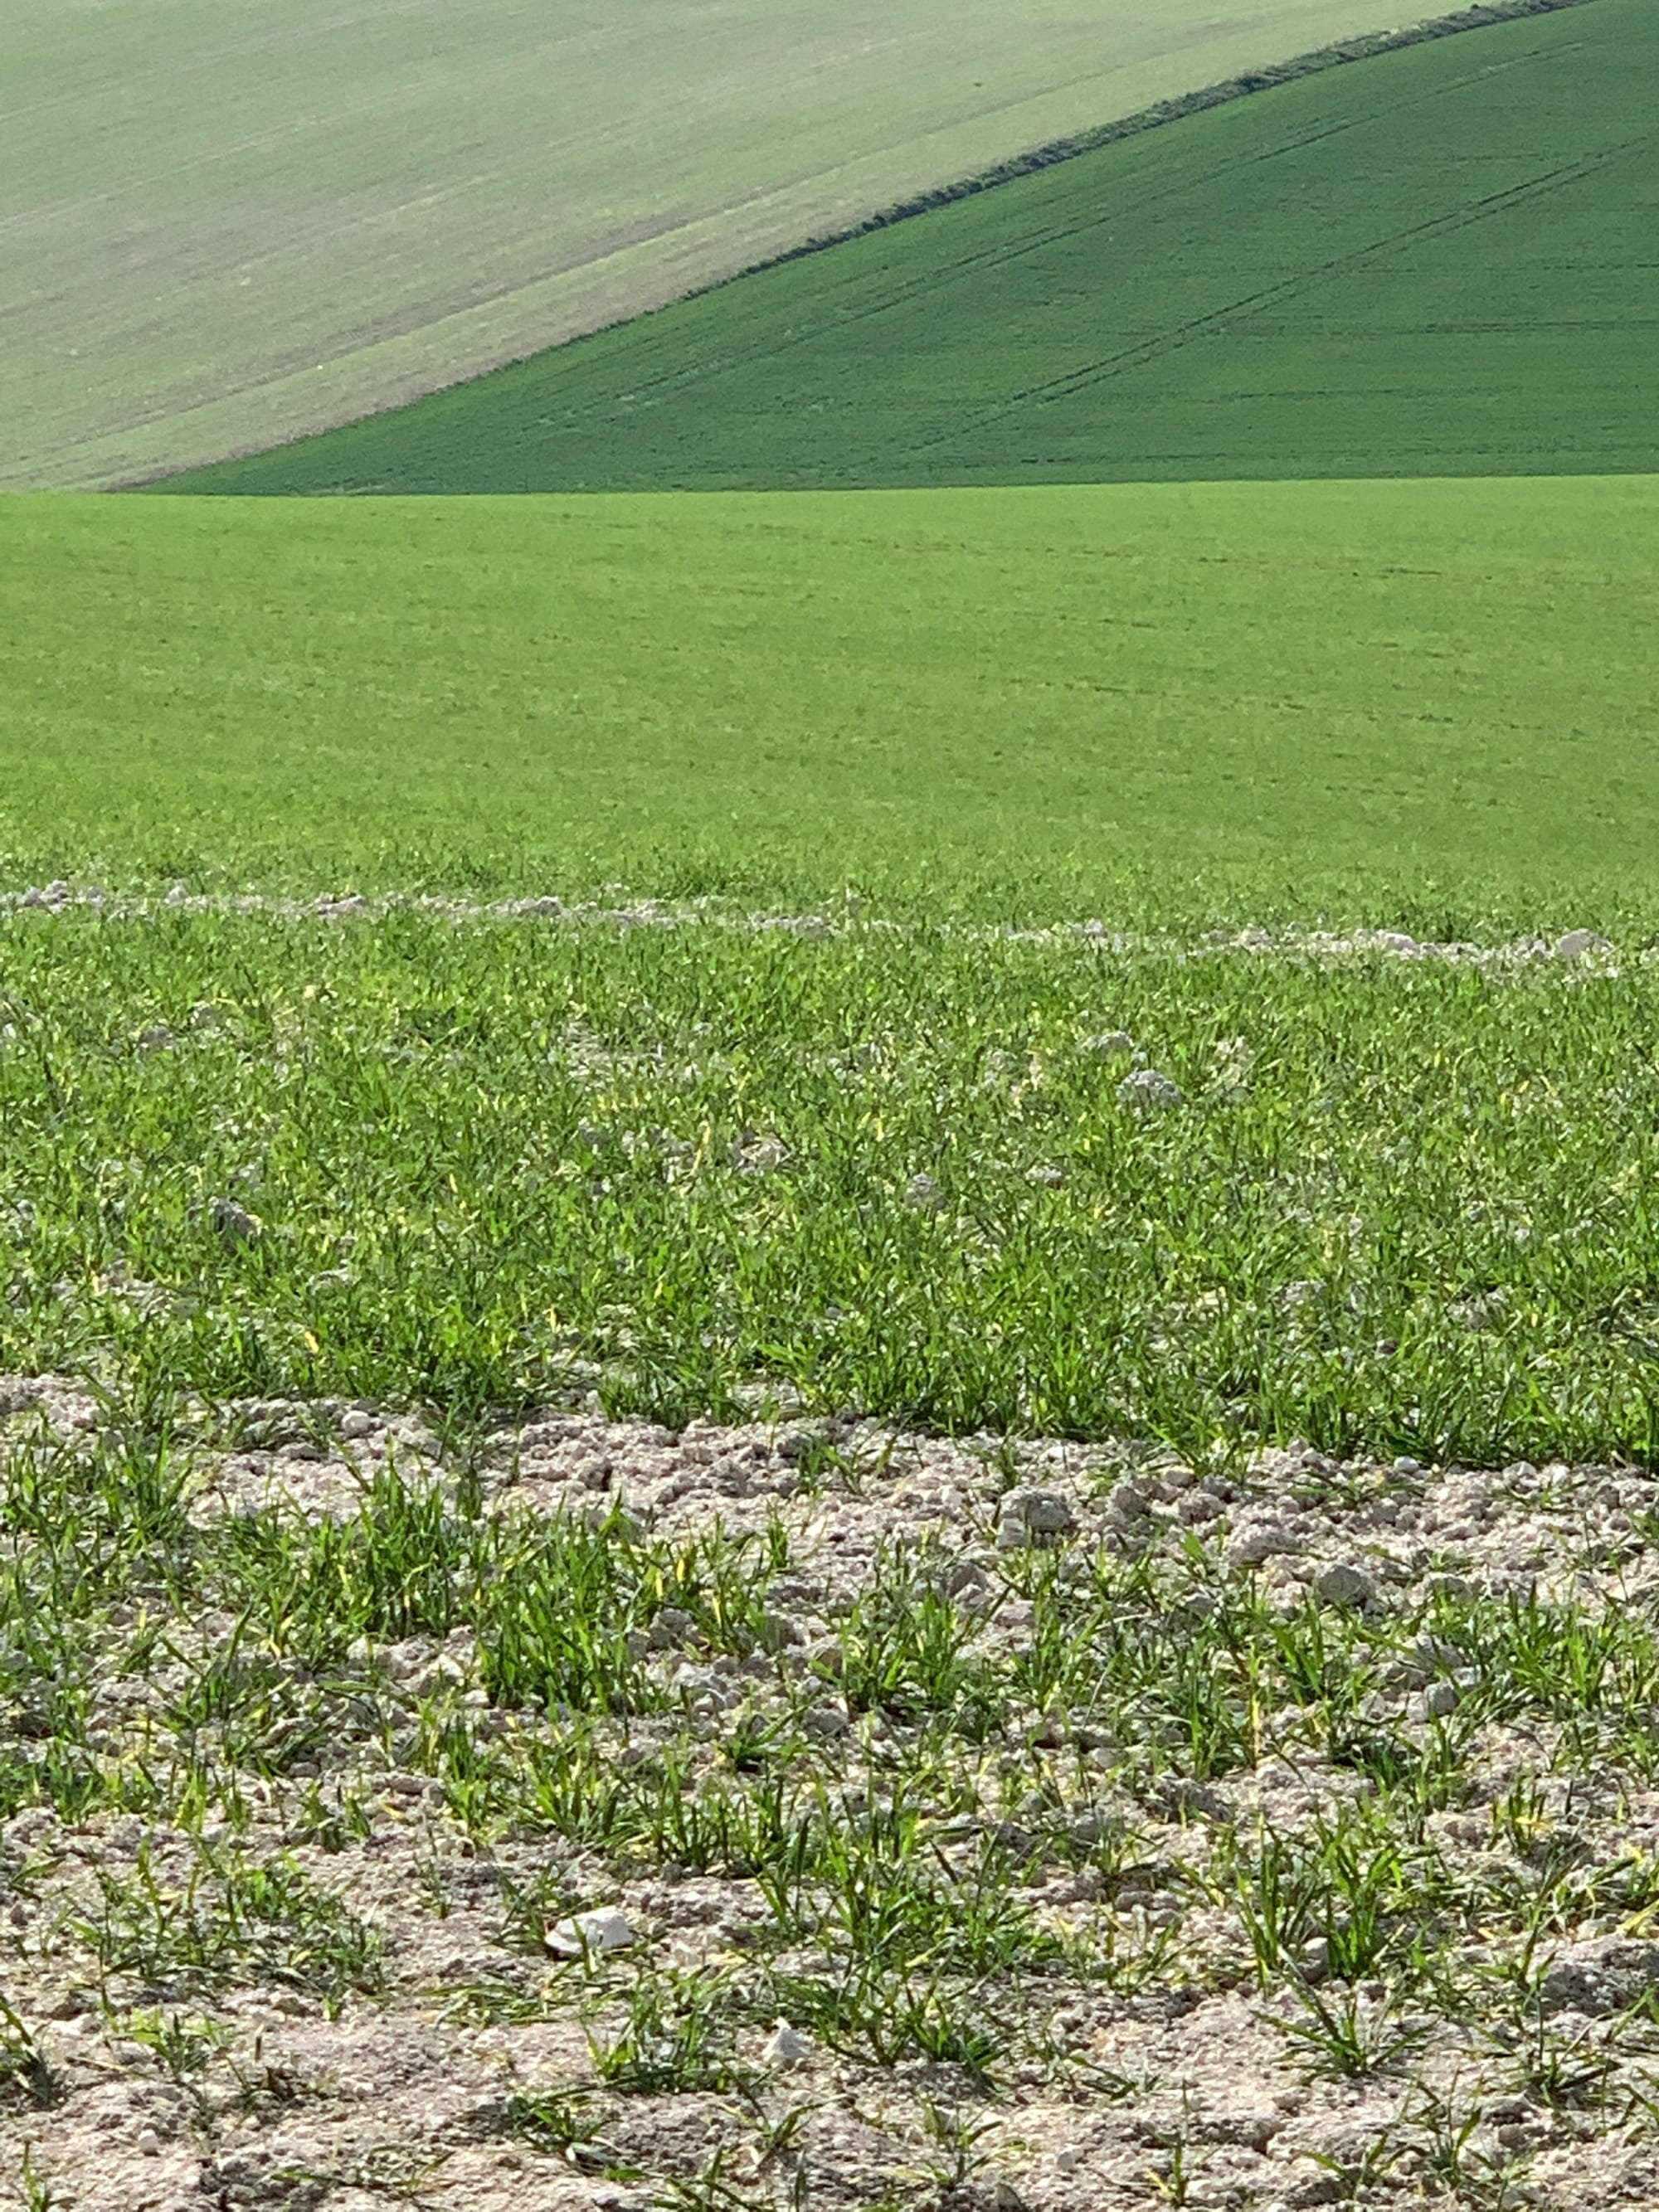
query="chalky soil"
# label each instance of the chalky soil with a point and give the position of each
(586, 1813)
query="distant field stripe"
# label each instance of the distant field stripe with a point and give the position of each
(1421, 704)
(1168, 342)
(1573, 958)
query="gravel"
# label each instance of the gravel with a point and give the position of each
(1582, 949)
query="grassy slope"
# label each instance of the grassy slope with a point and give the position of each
(1439, 261)
(1433, 699)
(228, 221)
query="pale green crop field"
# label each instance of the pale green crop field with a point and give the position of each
(1423, 704)
(1420, 705)
(1438, 263)
(227, 222)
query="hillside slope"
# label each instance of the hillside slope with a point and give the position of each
(1438, 261)
(224, 222)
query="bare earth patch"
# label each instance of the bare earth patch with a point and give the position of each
(579, 1813)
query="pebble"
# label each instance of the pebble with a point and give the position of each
(1580, 944)
(1197, 1506)
(785, 2046)
(1344, 1584)
(1031, 1515)
(234, 1223)
(602, 1931)
(1148, 1091)
(672, 1629)
(1256, 1540)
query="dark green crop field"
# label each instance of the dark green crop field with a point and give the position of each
(1439, 261)
(1426, 703)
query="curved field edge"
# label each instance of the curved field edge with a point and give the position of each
(229, 224)
(1415, 704)
(1157, 114)
(1233, 286)
(1315, 62)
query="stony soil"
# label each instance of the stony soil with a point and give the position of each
(1145, 2056)
(1580, 952)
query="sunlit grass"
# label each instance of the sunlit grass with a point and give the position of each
(478, 1165)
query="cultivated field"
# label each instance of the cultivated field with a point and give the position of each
(805, 1544)
(828, 1320)
(226, 221)
(441, 1761)
(1435, 262)
(1425, 704)
(1208, 1193)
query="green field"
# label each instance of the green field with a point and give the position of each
(830, 1317)
(1430, 702)
(1395, 1206)
(230, 220)
(1425, 705)
(1437, 262)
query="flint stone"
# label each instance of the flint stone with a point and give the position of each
(1043, 1511)
(1580, 943)
(981, 2194)
(601, 1932)
(1258, 1540)
(1148, 1091)
(234, 1223)
(1344, 1584)
(785, 2046)
(1601, 1976)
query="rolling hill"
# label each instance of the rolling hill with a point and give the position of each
(225, 222)
(1436, 261)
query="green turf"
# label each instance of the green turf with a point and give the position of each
(227, 222)
(1427, 702)
(1438, 261)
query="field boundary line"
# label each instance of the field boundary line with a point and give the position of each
(1317, 61)
(1582, 951)
(1367, 46)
